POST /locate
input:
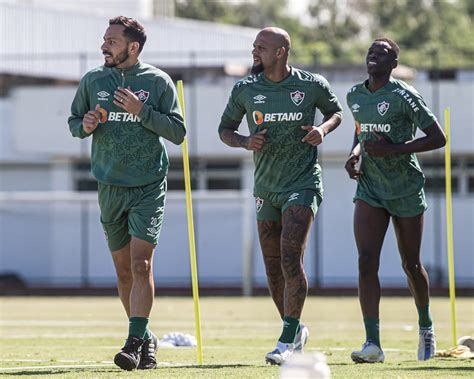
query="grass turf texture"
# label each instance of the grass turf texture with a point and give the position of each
(78, 337)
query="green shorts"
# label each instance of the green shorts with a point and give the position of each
(408, 206)
(271, 205)
(132, 211)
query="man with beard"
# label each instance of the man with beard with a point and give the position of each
(280, 102)
(389, 186)
(128, 107)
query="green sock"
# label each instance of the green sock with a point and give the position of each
(424, 316)
(137, 326)
(372, 332)
(290, 325)
(147, 333)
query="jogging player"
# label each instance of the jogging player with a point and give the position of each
(129, 107)
(387, 113)
(280, 102)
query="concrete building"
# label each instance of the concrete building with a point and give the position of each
(49, 222)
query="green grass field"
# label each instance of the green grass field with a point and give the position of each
(78, 337)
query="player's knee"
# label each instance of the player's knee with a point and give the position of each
(292, 265)
(141, 267)
(367, 264)
(124, 276)
(412, 269)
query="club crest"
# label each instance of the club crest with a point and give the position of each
(383, 107)
(297, 97)
(142, 95)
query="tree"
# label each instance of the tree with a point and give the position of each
(339, 31)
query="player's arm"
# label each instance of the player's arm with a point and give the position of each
(330, 107)
(434, 139)
(230, 121)
(167, 121)
(82, 121)
(228, 133)
(316, 133)
(353, 159)
(424, 119)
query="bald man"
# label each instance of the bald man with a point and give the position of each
(280, 103)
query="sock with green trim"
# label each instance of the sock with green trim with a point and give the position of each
(147, 334)
(290, 326)
(137, 326)
(372, 331)
(424, 316)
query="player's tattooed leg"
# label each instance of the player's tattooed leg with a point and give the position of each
(269, 233)
(296, 224)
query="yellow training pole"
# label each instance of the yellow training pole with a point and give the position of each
(192, 247)
(449, 223)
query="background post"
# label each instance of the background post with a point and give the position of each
(192, 247)
(449, 223)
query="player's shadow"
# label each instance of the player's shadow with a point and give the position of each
(53, 373)
(205, 367)
(469, 367)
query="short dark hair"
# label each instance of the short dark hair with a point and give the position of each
(134, 31)
(393, 45)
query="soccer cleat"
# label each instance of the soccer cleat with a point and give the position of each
(281, 353)
(129, 357)
(301, 339)
(370, 353)
(149, 348)
(426, 344)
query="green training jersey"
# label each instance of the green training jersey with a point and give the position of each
(394, 112)
(127, 149)
(285, 163)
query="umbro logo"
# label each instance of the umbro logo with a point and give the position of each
(293, 196)
(355, 108)
(103, 95)
(259, 99)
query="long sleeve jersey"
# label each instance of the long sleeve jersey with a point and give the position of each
(128, 149)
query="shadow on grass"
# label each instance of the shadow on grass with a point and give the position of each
(204, 367)
(49, 372)
(467, 368)
(43, 372)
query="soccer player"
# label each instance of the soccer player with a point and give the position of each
(280, 102)
(389, 186)
(128, 107)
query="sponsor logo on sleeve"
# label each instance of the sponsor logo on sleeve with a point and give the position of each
(297, 97)
(382, 108)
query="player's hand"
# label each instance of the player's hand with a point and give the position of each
(127, 100)
(256, 141)
(379, 148)
(351, 166)
(91, 120)
(315, 135)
